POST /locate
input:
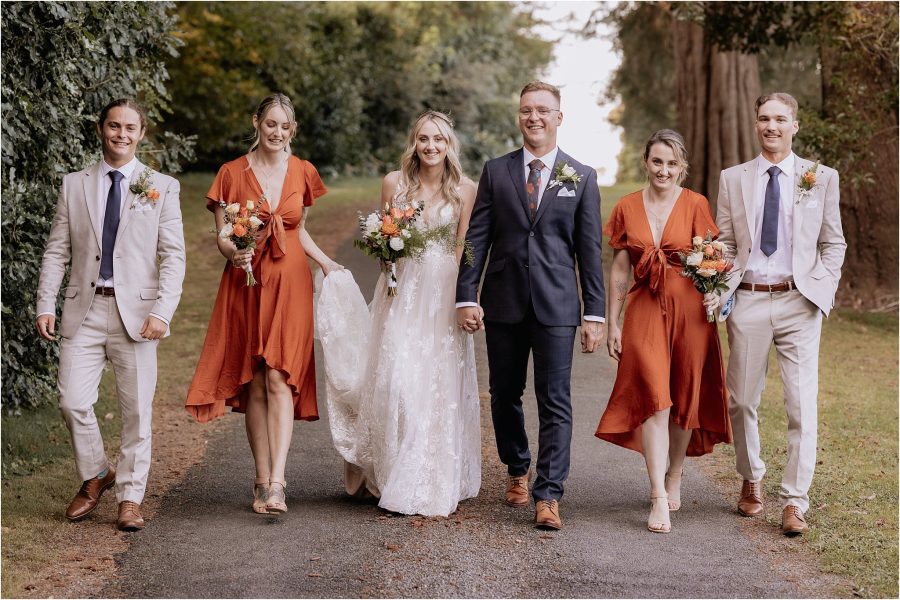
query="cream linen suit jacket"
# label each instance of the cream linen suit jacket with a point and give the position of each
(149, 259)
(818, 239)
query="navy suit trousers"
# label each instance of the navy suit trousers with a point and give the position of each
(508, 348)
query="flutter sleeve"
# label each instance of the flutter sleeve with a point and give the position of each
(314, 185)
(615, 228)
(220, 190)
(703, 221)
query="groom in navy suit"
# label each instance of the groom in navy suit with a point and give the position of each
(536, 214)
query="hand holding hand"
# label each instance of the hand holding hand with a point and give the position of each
(46, 326)
(469, 318)
(591, 336)
(153, 328)
(614, 341)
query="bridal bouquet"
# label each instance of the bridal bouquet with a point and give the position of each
(241, 225)
(708, 267)
(389, 235)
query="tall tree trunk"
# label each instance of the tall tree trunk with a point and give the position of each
(715, 95)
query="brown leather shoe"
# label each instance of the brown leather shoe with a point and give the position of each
(792, 521)
(751, 503)
(87, 498)
(130, 518)
(517, 491)
(546, 514)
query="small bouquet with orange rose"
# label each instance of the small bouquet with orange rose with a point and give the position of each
(389, 235)
(707, 265)
(241, 225)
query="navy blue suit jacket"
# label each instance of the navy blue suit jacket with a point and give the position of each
(534, 262)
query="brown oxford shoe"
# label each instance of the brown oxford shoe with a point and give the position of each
(792, 521)
(546, 514)
(751, 503)
(517, 491)
(130, 518)
(87, 498)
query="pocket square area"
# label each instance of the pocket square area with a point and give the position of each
(566, 193)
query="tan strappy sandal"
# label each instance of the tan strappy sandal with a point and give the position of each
(659, 526)
(260, 496)
(277, 501)
(674, 493)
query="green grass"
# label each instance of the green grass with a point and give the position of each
(853, 500)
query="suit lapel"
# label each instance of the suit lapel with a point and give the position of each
(517, 174)
(128, 199)
(91, 194)
(550, 194)
(800, 166)
(748, 191)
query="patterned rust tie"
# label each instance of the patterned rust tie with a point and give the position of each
(533, 186)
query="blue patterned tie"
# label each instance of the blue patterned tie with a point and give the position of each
(533, 186)
(111, 224)
(768, 241)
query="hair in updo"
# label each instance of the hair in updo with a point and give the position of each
(673, 140)
(277, 99)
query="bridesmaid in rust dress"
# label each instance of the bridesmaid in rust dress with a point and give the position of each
(258, 353)
(669, 397)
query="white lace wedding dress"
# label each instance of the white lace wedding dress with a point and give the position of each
(402, 392)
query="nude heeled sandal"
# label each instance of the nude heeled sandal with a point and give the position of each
(659, 527)
(260, 496)
(277, 501)
(674, 504)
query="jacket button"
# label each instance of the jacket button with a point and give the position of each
(531, 234)
(98, 258)
(526, 265)
(93, 284)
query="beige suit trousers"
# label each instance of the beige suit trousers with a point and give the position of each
(82, 359)
(794, 325)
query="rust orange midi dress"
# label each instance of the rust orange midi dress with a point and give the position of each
(671, 356)
(270, 323)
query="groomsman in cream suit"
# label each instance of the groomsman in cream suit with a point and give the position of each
(779, 216)
(118, 229)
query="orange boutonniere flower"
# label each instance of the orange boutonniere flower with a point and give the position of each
(807, 181)
(144, 195)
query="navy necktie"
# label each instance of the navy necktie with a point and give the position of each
(111, 224)
(768, 241)
(533, 186)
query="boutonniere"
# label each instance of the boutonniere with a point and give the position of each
(144, 194)
(564, 173)
(807, 182)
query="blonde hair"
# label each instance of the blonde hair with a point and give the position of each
(537, 86)
(276, 99)
(410, 164)
(672, 139)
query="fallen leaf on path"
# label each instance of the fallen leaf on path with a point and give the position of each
(109, 416)
(313, 574)
(821, 506)
(872, 497)
(315, 558)
(547, 536)
(392, 547)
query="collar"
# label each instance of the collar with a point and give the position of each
(127, 169)
(548, 159)
(786, 166)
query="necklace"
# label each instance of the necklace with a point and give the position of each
(658, 221)
(267, 174)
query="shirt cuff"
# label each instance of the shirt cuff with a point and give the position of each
(465, 304)
(593, 318)
(166, 321)
(45, 313)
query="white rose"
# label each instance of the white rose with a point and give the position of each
(405, 233)
(396, 244)
(226, 231)
(250, 205)
(694, 259)
(706, 272)
(568, 170)
(256, 222)
(373, 224)
(719, 246)
(697, 240)
(232, 209)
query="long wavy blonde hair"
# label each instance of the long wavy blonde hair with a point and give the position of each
(409, 163)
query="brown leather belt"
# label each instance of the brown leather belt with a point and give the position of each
(766, 287)
(105, 291)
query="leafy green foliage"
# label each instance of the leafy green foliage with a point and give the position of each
(358, 74)
(62, 62)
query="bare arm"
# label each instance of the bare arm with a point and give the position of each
(619, 271)
(465, 213)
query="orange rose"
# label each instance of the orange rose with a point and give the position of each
(709, 251)
(410, 212)
(239, 230)
(720, 266)
(390, 229)
(709, 264)
(243, 212)
(809, 178)
(396, 213)
(153, 194)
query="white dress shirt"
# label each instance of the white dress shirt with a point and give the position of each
(777, 267)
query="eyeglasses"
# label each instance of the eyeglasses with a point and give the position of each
(542, 111)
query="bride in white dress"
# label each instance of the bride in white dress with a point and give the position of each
(407, 421)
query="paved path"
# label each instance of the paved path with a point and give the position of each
(205, 542)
